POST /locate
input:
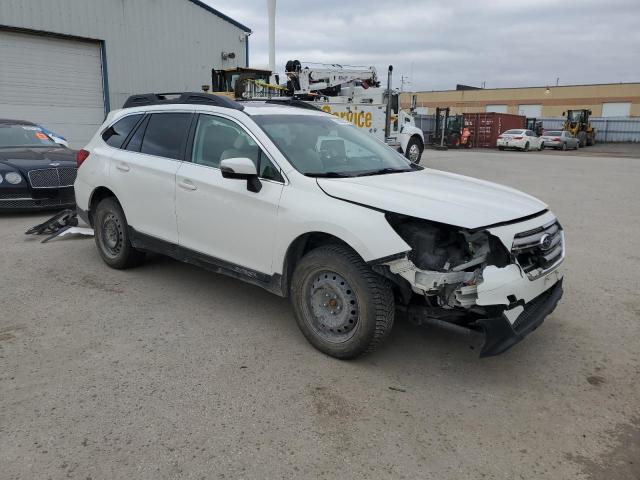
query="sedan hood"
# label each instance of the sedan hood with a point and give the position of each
(30, 158)
(437, 196)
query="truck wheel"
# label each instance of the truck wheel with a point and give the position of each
(112, 236)
(414, 150)
(343, 308)
(582, 137)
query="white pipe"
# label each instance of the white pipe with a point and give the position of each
(271, 5)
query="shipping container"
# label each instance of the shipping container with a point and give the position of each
(485, 127)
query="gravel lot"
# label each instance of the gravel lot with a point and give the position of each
(169, 371)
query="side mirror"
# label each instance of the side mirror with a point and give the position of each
(241, 168)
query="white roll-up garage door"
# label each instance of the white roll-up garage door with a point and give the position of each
(531, 111)
(55, 82)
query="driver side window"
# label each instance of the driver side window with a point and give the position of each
(218, 138)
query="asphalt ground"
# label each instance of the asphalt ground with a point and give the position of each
(168, 371)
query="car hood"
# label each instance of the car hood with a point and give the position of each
(29, 158)
(437, 196)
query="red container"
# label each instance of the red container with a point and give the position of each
(486, 127)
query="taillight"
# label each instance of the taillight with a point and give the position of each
(518, 138)
(500, 137)
(81, 156)
(556, 139)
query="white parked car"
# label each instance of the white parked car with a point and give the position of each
(520, 139)
(310, 207)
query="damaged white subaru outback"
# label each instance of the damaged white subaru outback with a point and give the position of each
(309, 207)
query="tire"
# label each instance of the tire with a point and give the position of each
(337, 274)
(564, 147)
(541, 147)
(112, 236)
(414, 150)
(526, 147)
(582, 138)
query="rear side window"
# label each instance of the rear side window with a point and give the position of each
(166, 135)
(117, 133)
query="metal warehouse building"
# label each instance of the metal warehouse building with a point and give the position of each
(66, 63)
(605, 100)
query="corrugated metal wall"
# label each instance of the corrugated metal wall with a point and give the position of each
(608, 129)
(150, 45)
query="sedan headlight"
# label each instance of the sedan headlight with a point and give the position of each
(13, 178)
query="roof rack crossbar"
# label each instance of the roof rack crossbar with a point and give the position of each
(168, 98)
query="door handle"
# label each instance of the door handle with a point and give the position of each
(123, 167)
(187, 185)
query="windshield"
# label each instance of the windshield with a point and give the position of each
(553, 133)
(13, 135)
(329, 147)
(574, 115)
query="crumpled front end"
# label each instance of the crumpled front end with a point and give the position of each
(501, 281)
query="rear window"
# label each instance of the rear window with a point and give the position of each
(553, 133)
(166, 135)
(514, 132)
(117, 133)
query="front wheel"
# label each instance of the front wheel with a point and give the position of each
(414, 150)
(541, 147)
(343, 308)
(112, 236)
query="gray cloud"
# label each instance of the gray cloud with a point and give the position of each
(437, 44)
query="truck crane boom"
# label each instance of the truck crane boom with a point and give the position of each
(309, 79)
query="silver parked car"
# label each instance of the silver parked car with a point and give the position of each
(560, 140)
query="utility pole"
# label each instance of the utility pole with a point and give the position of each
(271, 6)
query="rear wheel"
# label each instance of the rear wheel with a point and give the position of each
(343, 308)
(112, 236)
(414, 150)
(526, 147)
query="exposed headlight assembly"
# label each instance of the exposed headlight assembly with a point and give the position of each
(13, 178)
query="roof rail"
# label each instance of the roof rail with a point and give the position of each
(292, 102)
(167, 98)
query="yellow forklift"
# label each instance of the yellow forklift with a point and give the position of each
(577, 122)
(239, 82)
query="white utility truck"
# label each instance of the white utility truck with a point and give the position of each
(351, 93)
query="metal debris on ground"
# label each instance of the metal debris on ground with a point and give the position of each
(61, 224)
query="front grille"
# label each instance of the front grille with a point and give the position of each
(539, 250)
(17, 203)
(53, 177)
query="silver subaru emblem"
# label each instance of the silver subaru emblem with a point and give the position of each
(54, 164)
(545, 241)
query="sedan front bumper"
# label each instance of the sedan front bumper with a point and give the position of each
(24, 200)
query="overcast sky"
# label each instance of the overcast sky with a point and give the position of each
(437, 44)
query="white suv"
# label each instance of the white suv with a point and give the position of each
(309, 207)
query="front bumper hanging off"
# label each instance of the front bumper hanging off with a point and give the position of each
(500, 334)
